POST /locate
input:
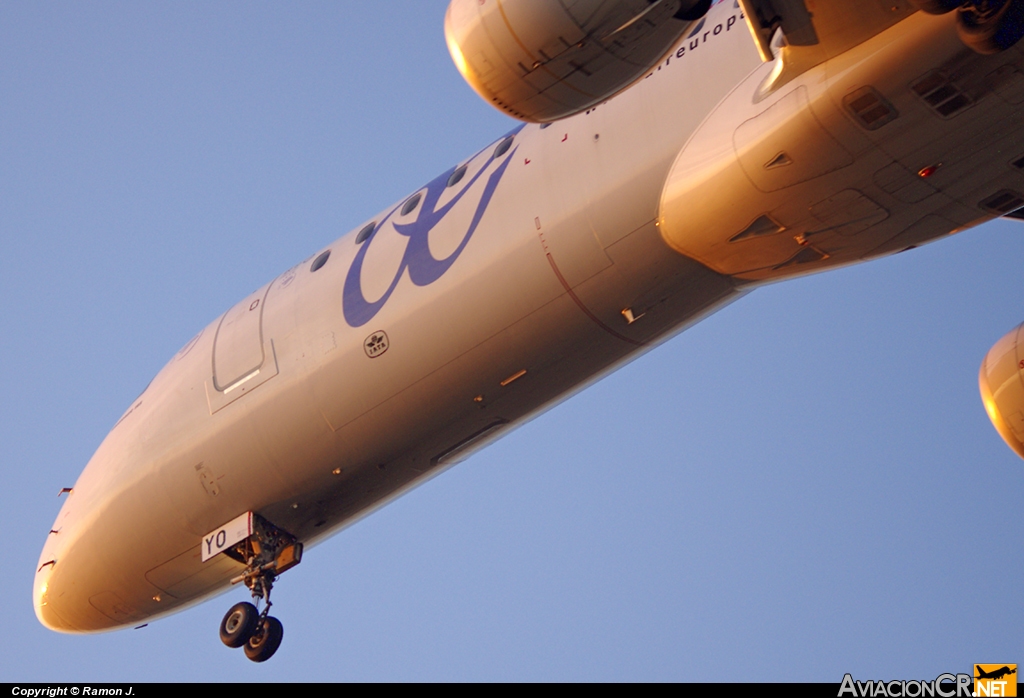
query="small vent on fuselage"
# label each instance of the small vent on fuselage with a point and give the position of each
(1019, 164)
(941, 95)
(764, 225)
(780, 160)
(808, 255)
(871, 109)
(1004, 202)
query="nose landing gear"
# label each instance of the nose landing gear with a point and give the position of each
(267, 553)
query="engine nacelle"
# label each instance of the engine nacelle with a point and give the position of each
(542, 60)
(795, 177)
(1002, 388)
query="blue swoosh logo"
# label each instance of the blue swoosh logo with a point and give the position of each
(423, 267)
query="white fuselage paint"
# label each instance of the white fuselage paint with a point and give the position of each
(312, 409)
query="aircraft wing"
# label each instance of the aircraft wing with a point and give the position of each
(817, 30)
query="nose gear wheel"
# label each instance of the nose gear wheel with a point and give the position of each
(239, 624)
(265, 641)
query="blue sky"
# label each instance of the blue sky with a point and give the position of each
(803, 485)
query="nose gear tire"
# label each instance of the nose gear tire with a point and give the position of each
(239, 624)
(265, 641)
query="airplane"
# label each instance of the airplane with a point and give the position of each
(994, 674)
(673, 156)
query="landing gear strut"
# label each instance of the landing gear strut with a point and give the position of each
(266, 553)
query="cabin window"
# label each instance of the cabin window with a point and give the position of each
(503, 147)
(411, 205)
(457, 176)
(365, 232)
(320, 261)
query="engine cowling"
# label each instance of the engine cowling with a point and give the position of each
(542, 60)
(1001, 380)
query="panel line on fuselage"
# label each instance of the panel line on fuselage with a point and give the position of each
(579, 303)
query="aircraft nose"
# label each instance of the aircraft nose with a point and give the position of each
(42, 585)
(41, 602)
(70, 591)
(70, 580)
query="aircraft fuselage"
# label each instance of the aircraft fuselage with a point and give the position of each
(455, 317)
